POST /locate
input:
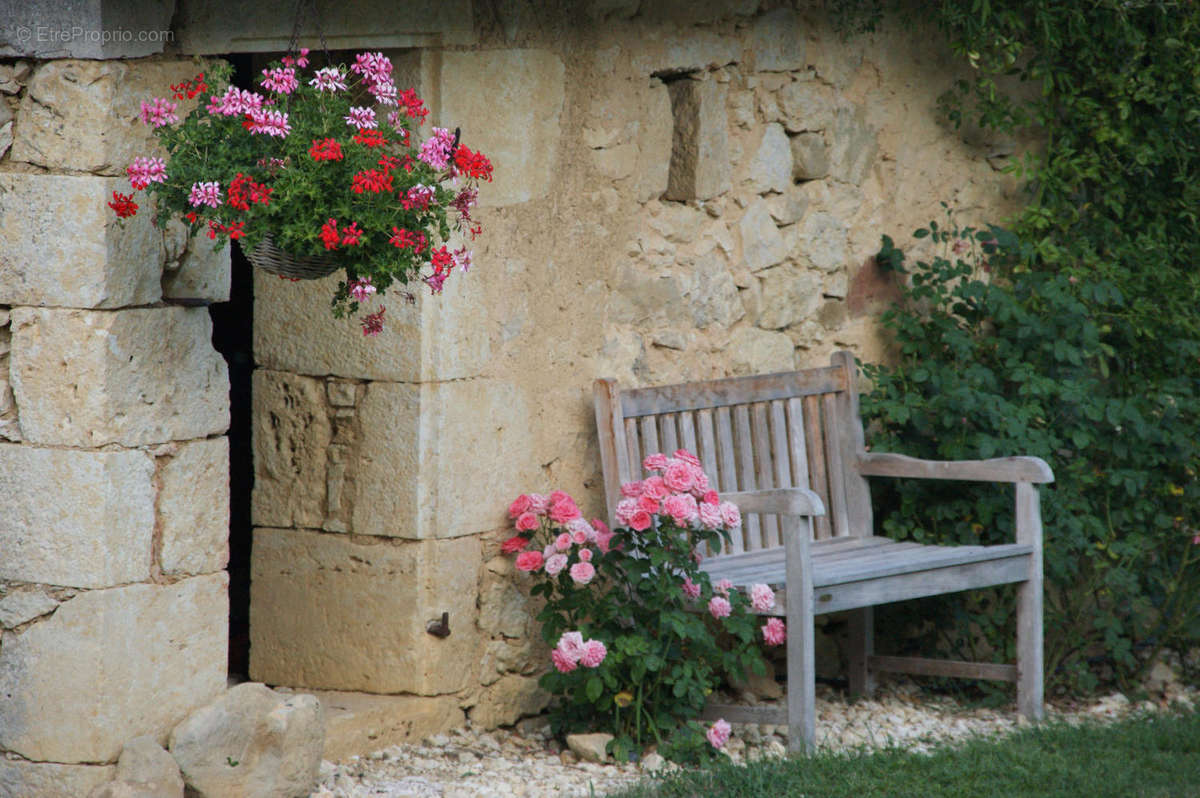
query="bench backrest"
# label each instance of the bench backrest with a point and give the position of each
(793, 429)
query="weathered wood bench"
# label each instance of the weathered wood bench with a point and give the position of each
(786, 447)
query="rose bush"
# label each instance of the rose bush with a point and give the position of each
(640, 635)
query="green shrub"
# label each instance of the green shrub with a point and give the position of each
(1037, 362)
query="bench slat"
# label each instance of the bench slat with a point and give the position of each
(727, 392)
(764, 471)
(918, 584)
(816, 459)
(837, 477)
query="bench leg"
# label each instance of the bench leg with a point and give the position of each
(861, 647)
(1029, 607)
(802, 678)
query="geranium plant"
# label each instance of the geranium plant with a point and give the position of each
(323, 163)
(640, 636)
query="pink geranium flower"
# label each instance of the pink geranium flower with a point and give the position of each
(361, 289)
(720, 607)
(774, 632)
(205, 194)
(762, 598)
(361, 118)
(158, 112)
(718, 734)
(582, 572)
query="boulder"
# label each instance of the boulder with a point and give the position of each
(590, 747)
(252, 743)
(144, 770)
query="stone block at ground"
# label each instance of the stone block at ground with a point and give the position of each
(90, 261)
(132, 377)
(21, 779)
(74, 518)
(119, 663)
(358, 723)
(193, 507)
(327, 612)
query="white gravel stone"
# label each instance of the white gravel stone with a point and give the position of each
(468, 764)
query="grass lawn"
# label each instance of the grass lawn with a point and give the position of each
(1155, 755)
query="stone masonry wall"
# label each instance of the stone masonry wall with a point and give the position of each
(682, 191)
(114, 468)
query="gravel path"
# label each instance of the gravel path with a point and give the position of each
(526, 762)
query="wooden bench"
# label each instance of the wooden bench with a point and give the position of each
(788, 449)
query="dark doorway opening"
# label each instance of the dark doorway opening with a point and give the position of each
(233, 337)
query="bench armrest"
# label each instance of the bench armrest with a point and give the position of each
(781, 501)
(999, 469)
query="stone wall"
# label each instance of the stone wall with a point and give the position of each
(683, 191)
(114, 468)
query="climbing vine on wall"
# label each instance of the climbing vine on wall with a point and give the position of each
(1082, 345)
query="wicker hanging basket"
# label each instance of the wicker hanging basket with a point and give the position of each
(266, 256)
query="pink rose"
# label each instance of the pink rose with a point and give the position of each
(655, 462)
(582, 572)
(678, 476)
(600, 527)
(549, 551)
(648, 504)
(579, 538)
(699, 481)
(593, 654)
(731, 514)
(774, 632)
(640, 521)
(718, 734)
(687, 457)
(560, 496)
(538, 504)
(682, 508)
(720, 607)
(631, 490)
(585, 555)
(655, 488)
(571, 645)
(711, 497)
(520, 505)
(513, 544)
(603, 537)
(762, 598)
(723, 586)
(555, 563)
(527, 522)
(710, 516)
(578, 525)
(562, 542)
(561, 661)
(563, 511)
(625, 510)
(690, 588)
(529, 560)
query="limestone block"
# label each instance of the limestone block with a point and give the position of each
(6, 136)
(676, 222)
(359, 723)
(837, 284)
(713, 296)
(93, 530)
(95, 262)
(622, 356)
(655, 137)
(507, 701)
(13, 76)
(837, 59)
(291, 433)
(762, 245)
(104, 29)
(391, 482)
(810, 156)
(755, 351)
(616, 162)
(672, 50)
(590, 747)
(22, 606)
(823, 241)
(85, 115)
(508, 104)
(777, 42)
(194, 268)
(503, 610)
(275, 740)
(700, 162)
(771, 167)
(193, 508)
(789, 294)
(789, 207)
(328, 612)
(205, 27)
(807, 105)
(642, 295)
(20, 779)
(153, 654)
(134, 377)
(854, 146)
(146, 764)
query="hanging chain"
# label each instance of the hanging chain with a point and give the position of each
(298, 24)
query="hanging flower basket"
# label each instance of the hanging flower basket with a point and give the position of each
(270, 258)
(313, 173)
